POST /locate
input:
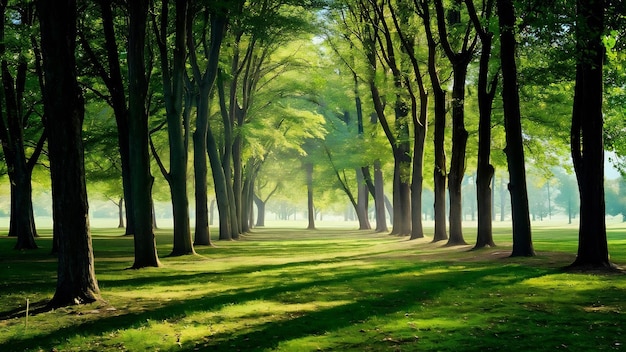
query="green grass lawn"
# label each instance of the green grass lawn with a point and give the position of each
(327, 290)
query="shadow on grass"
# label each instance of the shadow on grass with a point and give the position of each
(391, 296)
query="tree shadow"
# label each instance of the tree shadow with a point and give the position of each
(404, 294)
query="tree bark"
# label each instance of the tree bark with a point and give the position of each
(522, 238)
(140, 177)
(362, 201)
(12, 125)
(205, 83)
(439, 97)
(308, 168)
(486, 95)
(587, 145)
(64, 110)
(115, 85)
(379, 200)
(173, 85)
(260, 206)
(120, 213)
(459, 61)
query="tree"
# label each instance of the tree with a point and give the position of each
(486, 95)
(140, 178)
(64, 111)
(587, 135)
(214, 22)
(439, 97)
(173, 73)
(522, 238)
(459, 60)
(419, 119)
(18, 114)
(107, 65)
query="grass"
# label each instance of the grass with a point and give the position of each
(328, 290)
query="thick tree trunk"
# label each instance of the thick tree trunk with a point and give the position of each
(65, 111)
(140, 177)
(587, 136)
(522, 238)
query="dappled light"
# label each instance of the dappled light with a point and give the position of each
(331, 290)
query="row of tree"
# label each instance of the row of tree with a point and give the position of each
(226, 76)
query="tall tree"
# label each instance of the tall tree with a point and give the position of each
(140, 176)
(459, 60)
(587, 135)
(213, 24)
(522, 238)
(64, 111)
(173, 73)
(419, 115)
(16, 117)
(486, 95)
(108, 66)
(439, 98)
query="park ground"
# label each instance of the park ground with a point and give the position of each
(332, 289)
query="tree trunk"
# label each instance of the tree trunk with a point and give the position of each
(402, 188)
(201, 234)
(260, 206)
(115, 85)
(308, 167)
(486, 94)
(522, 238)
(205, 84)
(439, 96)
(65, 111)
(221, 193)
(12, 126)
(211, 212)
(362, 201)
(587, 136)
(23, 221)
(173, 85)
(379, 200)
(246, 209)
(420, 128)
(120, 213)
(457, 163)
(140, 177)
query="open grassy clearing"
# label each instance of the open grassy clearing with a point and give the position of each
(329, 290)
